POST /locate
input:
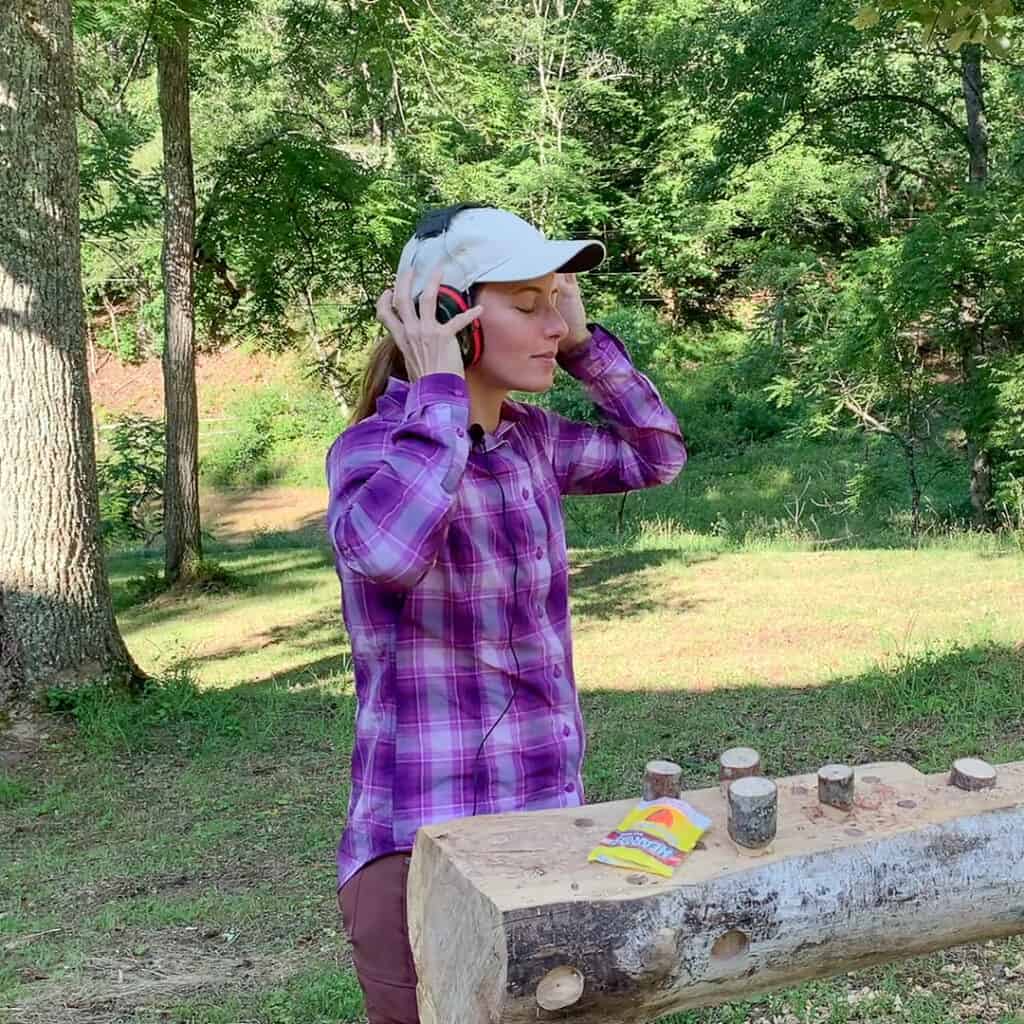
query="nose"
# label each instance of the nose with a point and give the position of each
(555, 326)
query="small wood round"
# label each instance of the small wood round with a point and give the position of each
(661, 779)
(559, 988)
(738, 763)
(753, 811)
(835, 786)
(971, 773)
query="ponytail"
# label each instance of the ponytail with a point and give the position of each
(386, 360)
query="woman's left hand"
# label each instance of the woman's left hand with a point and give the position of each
(570, 305)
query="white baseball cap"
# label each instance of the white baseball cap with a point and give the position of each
(484, 244)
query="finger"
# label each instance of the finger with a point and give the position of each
(464, 319)
(385, 304)
(387, 316)
(403, 297)
(428, 299)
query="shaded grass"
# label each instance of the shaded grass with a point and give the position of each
(209, 817)
(178, 836)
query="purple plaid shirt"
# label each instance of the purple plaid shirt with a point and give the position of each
(433, 573)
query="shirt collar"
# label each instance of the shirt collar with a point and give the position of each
(391, 406)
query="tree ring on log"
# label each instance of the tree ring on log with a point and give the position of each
(559, 988)
(730, 945)
(737, 763)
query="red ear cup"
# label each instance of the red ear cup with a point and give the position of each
(450, 303)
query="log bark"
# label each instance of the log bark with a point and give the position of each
(753, 811)
(837, 786)
(972, 773)
(56, 619)
(661, 779)
(498, 903)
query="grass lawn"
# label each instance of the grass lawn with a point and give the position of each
(171, 859)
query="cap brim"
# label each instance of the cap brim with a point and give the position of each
(565, 257)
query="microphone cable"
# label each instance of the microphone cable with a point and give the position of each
(476, 434)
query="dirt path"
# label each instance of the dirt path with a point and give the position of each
(236, 516)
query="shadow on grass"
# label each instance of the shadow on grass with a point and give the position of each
(925, 710)
(257, 573)
(202, 775)
(616, 585)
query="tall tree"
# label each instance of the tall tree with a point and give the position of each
(56, 617)
(183, 541)
(967, 27)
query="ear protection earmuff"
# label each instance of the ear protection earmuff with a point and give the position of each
(451, 302)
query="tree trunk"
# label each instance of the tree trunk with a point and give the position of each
(915, 489)
(972, 82)
(56, 619)
(510, 924)
(183, 542)
(978, 454)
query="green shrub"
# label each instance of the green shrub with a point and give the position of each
(131, 480)
(279, 433)
(110, 719)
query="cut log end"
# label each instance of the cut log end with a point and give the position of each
(738, 763)
(836, 786)
(559, 988)
(753, 811)
(971, 773)
(662, 779)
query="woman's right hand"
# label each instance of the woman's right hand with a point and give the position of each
(427, 346)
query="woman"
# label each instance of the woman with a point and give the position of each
(446, 520)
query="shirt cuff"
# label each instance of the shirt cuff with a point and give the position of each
(448, 388)
(593, 357)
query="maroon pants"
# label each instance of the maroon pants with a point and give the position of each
(372, 904)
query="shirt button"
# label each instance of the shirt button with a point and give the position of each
(460, 432)
(566, 731)
(570, 786)
(539, 553)
(558, 671)
(526, 493)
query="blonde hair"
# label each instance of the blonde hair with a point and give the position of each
(386, 360)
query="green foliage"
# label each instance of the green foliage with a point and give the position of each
(768, 171)
(131, 480)
(725, 405)
(208, 576)
(956, 24)
(274, 429)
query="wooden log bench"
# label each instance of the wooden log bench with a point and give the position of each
(510, 923)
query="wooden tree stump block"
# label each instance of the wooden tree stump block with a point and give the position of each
(661, 779)
(971, 773)
(753, 811)
(510, 924)
(737, 763)
(836, 786)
